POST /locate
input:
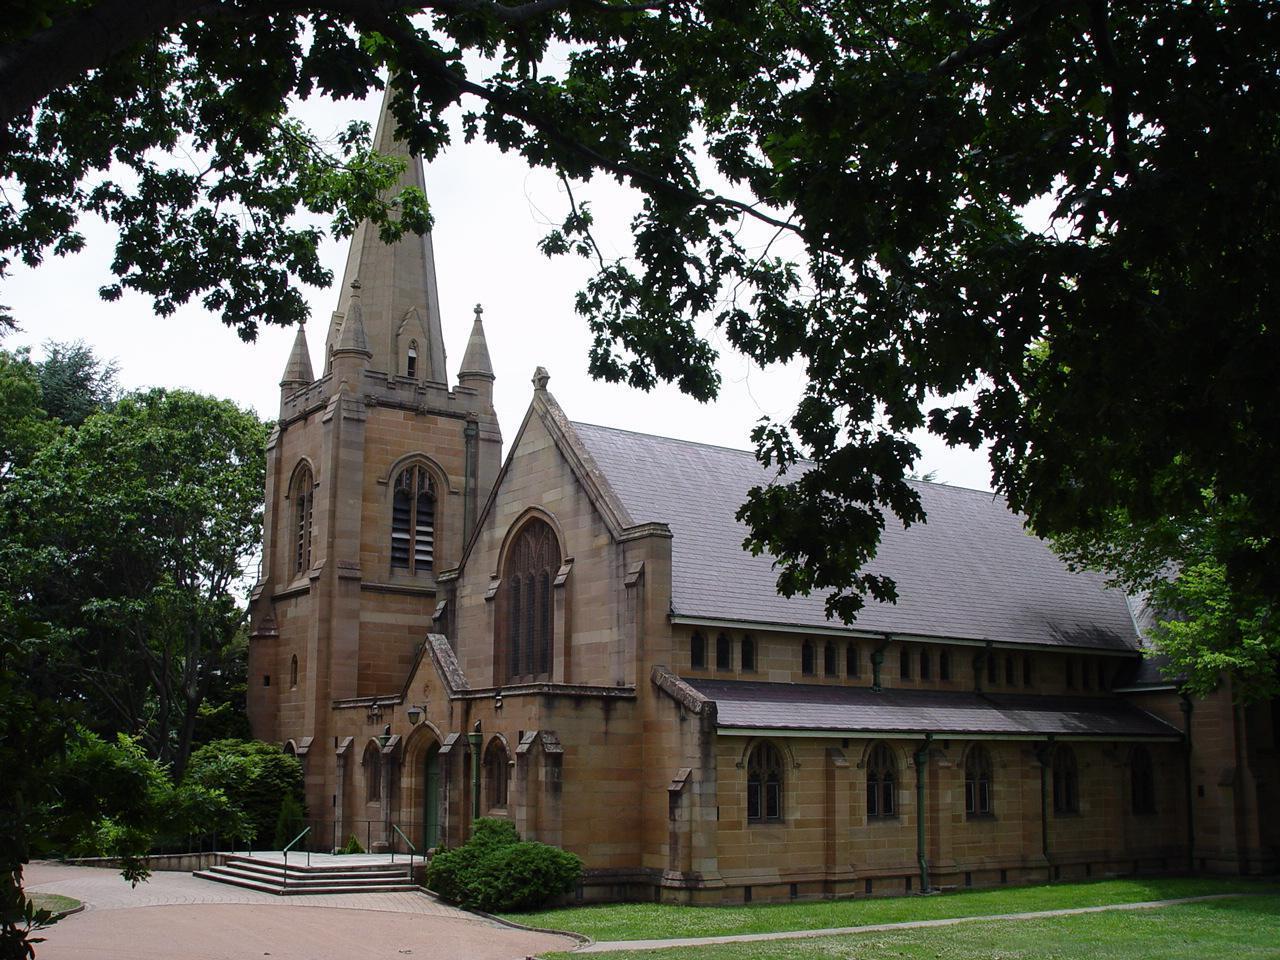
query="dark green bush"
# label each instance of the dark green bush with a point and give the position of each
(290, 821)
(353, 846)
(255, 776)
(495, 870)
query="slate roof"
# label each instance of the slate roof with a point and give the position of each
(971, 572)
(790, 706)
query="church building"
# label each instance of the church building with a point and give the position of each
(572, 638)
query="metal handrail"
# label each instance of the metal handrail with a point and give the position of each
(408, 843)
(289, 846)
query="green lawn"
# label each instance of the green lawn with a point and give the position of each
(53, 901)
(1243, 929)
(644, 921)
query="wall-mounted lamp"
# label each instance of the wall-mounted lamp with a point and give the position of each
(415, 714)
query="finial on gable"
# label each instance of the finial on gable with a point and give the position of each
(540, 379)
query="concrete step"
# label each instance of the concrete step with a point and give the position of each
(279, 880)
(268, 870)
(295, 889)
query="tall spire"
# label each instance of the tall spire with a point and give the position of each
(476, 362)
(400, 304)
(297, 372)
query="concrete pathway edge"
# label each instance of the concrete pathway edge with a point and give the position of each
(610, 946)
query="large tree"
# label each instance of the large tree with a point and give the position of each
(128, 537)
(1120, 358)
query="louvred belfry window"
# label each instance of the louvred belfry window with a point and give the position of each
(303, 494)
(529, 618)
(413, 521)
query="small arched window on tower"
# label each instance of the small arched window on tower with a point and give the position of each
(303, 496)
(293, 671)
(411, 360)
(528, 620)
(977, 782)
(882, 782)
(764, 784)
(413, 521)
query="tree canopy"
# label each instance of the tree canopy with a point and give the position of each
(1119, 357)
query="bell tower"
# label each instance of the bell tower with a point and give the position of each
(376, 472)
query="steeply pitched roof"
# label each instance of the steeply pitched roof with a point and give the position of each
(788, 706)
(971, 572)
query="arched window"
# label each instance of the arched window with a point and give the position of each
(1071, 673)
(882, 782)
(413, 521)
(293, 671)
(496, 774)
(806, 658)
(1086, 677)
(532, 563)
(829, 660)
(991, 669)
(698, 652)
(748, 654)
(303, 494)
(904, 664)
(372, 763)
(1026, 671)
(926, 665)
(977, 782)
(852, 661)
(1142, 781)
(1008, 672)
(411, 360)
(1066, 781)
(724, 652)
(944, 665)
(764, 784)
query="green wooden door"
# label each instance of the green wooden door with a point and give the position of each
(431, 799)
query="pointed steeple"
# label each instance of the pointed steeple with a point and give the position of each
(297, 372)
(476, 362)
(400, 303)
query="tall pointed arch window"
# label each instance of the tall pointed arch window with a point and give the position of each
(496, 774)
(882, 782)
(411, 360)
(1066, 781)
(413, 521)
(528, 619)
(977, 782)
(371, 761)
(1142, 784)
(764, 784)
(303, 495)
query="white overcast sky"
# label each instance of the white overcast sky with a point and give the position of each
(490, 211)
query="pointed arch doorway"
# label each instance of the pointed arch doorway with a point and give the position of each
(431, 797)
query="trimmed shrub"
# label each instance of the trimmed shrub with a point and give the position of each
(255, 776)
(495, 870)
(290, 821)
(353, 846)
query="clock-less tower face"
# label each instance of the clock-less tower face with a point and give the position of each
(376, 470)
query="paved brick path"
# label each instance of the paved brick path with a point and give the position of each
(176, 916)
(607, 946)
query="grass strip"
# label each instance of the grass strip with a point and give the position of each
(646, 921)
(1243, 929)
